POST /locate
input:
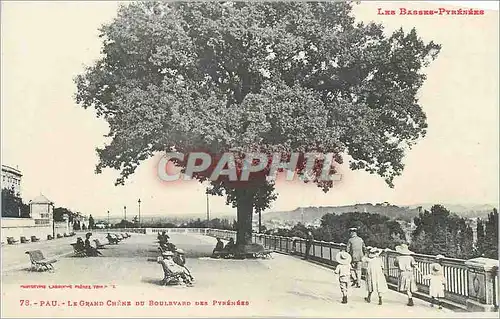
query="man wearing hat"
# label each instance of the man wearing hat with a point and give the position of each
(356, 248)
(343, 270)
(309, 242)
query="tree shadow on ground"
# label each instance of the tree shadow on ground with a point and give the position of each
(153, 281)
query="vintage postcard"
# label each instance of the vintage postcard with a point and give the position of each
(233, 159)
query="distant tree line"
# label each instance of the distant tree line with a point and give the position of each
(197, 223)
(13, 205)
(441, 232)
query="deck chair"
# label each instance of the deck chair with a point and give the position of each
(39, 262)
(65, 235)
(169, 277)
(59, 236)
(11, 241)
(34, 239)
(259, 251)
(24, 240)
(98, 244)
(79, 252)
(112, 240)
(119, 237)
(128, 235)
(223, 253)
(49, 237)
(123, 235)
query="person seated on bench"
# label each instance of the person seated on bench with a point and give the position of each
(80, 245)
(175, 269)
(219, 246)
(180, 259)
(89, 250)
(111, 239)
(163, 237)
(230, 245)
(166, 246)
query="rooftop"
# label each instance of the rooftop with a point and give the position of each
(11, 170)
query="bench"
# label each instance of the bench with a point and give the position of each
(11, 241)
(39, 262)
(34, 239)
(112, 240)
(98, 244)
(224, 253)
(24, 240)
(169, 277)
(79, 252)
(258, 251)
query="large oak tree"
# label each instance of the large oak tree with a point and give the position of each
(258, 76)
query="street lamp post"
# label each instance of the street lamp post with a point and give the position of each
(53, 221)
(139, 202)
(108, 218)
(208, 212)
(125, 213)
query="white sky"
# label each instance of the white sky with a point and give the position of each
(52, 140)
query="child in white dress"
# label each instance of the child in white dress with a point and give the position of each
(437, 283)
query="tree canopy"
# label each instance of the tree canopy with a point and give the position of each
(256, 77)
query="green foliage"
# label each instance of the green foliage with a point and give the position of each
(13, 205)
(125, 224)
(487, 236)
(440, 232)
(256, 76)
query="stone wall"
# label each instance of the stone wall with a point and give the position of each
(27, 227)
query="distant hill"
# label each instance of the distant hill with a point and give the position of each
(406, 213)
(310, 214)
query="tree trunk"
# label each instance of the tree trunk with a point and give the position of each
(244, 212)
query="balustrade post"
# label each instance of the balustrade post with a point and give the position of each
(481, 276)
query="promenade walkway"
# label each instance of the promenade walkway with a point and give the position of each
(282, 286)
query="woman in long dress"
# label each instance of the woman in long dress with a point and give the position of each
(375, 278)
(406, 264)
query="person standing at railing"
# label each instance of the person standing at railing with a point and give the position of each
(406, 264)
(437, 282)
(309, 242)
(356, 248)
